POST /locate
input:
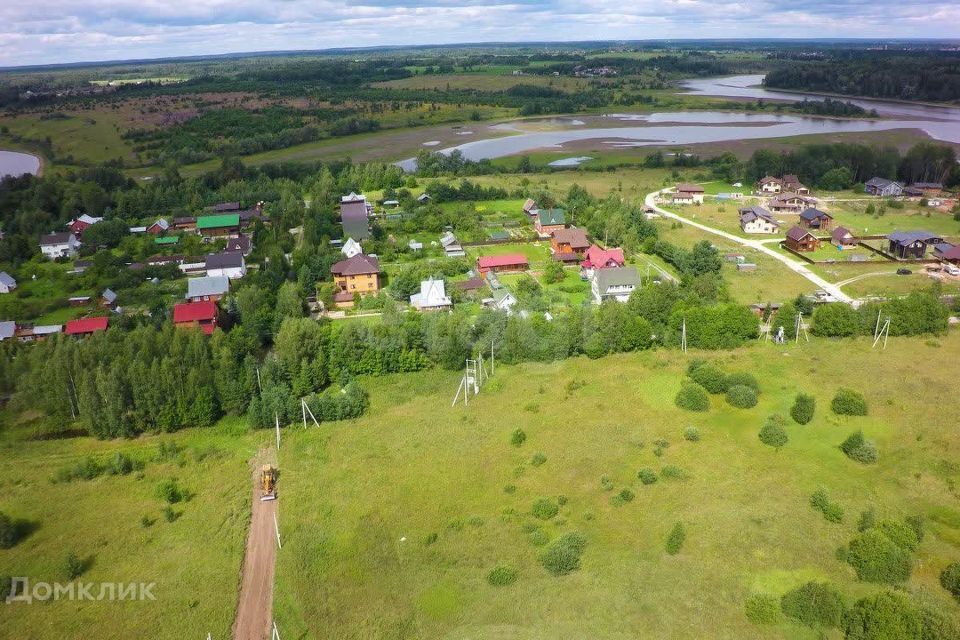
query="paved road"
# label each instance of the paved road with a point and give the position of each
(795, 266)
(255, 609)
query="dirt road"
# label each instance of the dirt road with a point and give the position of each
(255, 609)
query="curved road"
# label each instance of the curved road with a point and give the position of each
(793, 265)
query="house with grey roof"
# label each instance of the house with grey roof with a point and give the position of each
(207, 288)
(229, 263)
(756, 219)
(8, 328)
(59, 245)
(615, 283)
(883, 188)
(431, 297)
(7, 282)
(908, 245)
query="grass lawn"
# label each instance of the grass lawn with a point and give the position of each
(853, 216)
(194, 561)
(392, 522)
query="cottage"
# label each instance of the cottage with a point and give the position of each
(423, 198)
(950, 254)
(354, 216)
(229, 264)
(196, 314)
(207, 288)
(7, 282)
(451, 246)
(82, 223)
(756, 219)
(471, 284)
(792, 183)
(432, 296)
(547, 221)
(799, 239)
(108, 299)
(907, 245)
(8, 329)
(241, 244)
(506, 262)
(159, 227)
(883, 188)
(225, 225)
(502, 299)
(769, 184)
(224, 207)
(569, 241)
(815, 219)
(59, 245)
(357, 275)
(928, 188)
(789, 202)
(596, 258)
(351, 248)
(185, 223)
(691, 191)
(37, 333)
(842, 238)
(529, 206)
(615, 283)
(86, 326)
(249, 216)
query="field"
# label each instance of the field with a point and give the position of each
(407, 509)
(194, 561)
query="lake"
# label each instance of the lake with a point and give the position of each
(14, 163)
(693, 127)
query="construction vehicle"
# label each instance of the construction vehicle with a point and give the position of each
(268, 483)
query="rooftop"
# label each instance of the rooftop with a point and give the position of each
(217, 222)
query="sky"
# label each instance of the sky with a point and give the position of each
(54, 31)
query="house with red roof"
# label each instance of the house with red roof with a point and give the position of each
(596, 258)
(201, 314)
(506, 262)
(86, 326)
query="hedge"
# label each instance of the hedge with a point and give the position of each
(742, 396)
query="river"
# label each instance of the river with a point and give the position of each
(14, 163)
(693, 127)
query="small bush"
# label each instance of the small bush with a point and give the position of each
(431, 538)
(691, 434)
(544, 508)
(950, 579)
(916, 523)
(647, 475)
(692, 397)
(73, 566)
(676, 539)
(773, 434)
(146, 522)
(742, 378)
(937, 626)
(538, 459)
(742, 396)
(831, 511)
(815, 604)
(623, 496)
(8, 532)
(695, 364)
(672, 472)
(848, 402)
(606, 483)
(538, 537)
(170, 491)
(169, 514)
(900, 533)
(867, 519)
(518, 437)
(876, 558)
(858, 448)
(562, 500)
(502, 576)
(121, 464)
(803, 408)
(762, 609)
(563, 554)
(710, 378)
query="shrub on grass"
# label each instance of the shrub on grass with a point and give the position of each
(710, 378)
(884, 616)
(502, 576)
(773, 434)
(950, 579)
(538, 537)
(900, 533)
(510, 489)
(692, 397)
(672, 472)
(858, 448)
(121, 464)
(676, 539)
(623, 496)
(868, 518)
(9, 535)
(146, 522)
(803, 408)
(695, 364)
(691, 434)
(518, 437)
(73, 566)
(815, 604)
(831, 511)
(538, 459)
(762, 609)
(430, 538)
(563, 554)
(170, 491)
(916, 523)
(544, 508)
(937, 626)
(742, 396)
(742, 378)
(169, 514)
(647, 475)
(606, 483)
(848, 402)
(876, 558)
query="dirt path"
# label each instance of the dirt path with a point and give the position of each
(255, 609)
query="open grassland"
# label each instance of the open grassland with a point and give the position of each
(483, 82)
(391, 523)
(116, 526)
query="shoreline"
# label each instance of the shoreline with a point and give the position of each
(27, 151)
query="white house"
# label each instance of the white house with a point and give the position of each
(228, 264)
(59, 245)
(7, 283)
(758, 220)
(432, 296)
(616, 283)
(351, 248)
(769, 184)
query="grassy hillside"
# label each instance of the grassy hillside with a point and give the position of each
(391, 523)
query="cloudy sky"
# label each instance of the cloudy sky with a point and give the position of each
(49, 31)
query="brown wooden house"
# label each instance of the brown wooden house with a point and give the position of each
(800, 239)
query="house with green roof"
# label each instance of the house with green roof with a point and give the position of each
(167, 240)
(547, 221)
(219, 226)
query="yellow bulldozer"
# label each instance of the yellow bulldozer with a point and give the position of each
(268, 483)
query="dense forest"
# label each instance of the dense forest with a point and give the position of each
(930, 76)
